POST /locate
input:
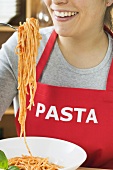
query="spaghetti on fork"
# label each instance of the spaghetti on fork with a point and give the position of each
(27, 50)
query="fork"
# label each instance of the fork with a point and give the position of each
(5, 24)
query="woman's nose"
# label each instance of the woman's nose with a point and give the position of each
(60, 1)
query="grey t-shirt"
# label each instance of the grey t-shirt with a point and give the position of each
(57, 71)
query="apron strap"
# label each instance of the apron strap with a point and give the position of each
(109, 85)
(45, 55)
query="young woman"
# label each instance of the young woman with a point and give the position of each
(74, 97)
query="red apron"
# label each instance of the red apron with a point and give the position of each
(82, 116)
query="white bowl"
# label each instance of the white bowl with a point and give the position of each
(60, 152)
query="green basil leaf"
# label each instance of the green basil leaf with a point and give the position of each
(3, 160)
(13, 168)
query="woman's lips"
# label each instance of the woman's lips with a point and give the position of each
(64, 16)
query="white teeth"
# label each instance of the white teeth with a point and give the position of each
(69, 13)
(64, 14)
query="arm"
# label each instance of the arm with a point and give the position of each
(8, 73)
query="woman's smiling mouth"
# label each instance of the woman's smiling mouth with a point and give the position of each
(64, 15)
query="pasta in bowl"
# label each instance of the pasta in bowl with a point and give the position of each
(53, 153)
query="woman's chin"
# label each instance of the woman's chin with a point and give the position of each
(62, 32)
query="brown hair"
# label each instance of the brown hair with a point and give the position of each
(108, 20)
